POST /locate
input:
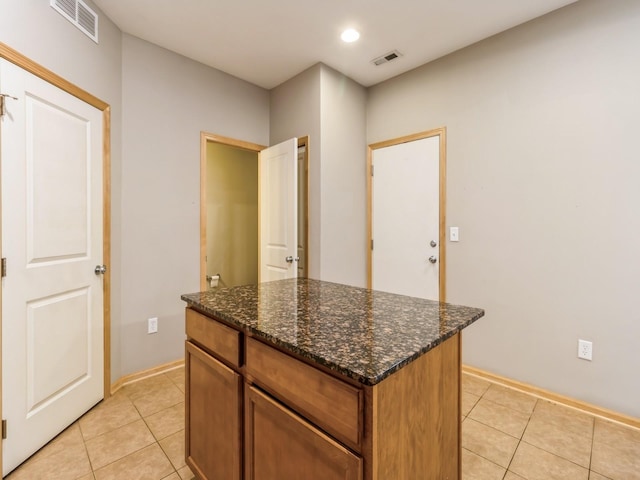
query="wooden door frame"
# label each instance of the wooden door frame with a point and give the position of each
(442, 134)
(205, 138)
(47, 75)
(304, 142)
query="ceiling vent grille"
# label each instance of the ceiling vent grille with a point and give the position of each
(386, 58)
(78, 13)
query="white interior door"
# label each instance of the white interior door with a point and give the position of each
(52, 299)
(278, 194)
(405, 218)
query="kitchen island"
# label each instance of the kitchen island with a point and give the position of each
(305, 379)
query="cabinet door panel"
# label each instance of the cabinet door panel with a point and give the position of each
(213, 417)
(282, 446)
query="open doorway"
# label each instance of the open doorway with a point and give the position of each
(229, 211)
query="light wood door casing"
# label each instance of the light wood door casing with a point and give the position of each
(281, 445)
(52, 224)
(303, 199)
(213, 434)
(278, 211)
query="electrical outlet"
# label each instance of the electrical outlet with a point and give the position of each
(585, 350)
(152, 326)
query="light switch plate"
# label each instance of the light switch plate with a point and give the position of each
(454, 234)
(152, 326)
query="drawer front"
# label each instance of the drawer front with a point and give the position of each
(214, 336)
(281, 445)
(333, 405)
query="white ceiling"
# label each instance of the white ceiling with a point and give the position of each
(268, 42)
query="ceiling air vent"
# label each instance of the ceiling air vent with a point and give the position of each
(78, 13)
(386, 58)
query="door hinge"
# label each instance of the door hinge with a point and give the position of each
(2, 105)
(372, 244)
(372, 169)
(3, 268)
(4, 429)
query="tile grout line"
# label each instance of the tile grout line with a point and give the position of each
(520, 441)
(141, 417)
(530, 415)
(84, 444)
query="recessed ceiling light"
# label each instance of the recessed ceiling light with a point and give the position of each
(350, 35)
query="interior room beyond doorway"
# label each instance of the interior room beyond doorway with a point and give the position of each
(229, 223)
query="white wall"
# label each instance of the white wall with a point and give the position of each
(36, 30)
(542, 179)
(330, 108)
(167, 101)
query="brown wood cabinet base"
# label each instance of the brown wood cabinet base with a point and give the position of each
(416, 418)
(265, 415)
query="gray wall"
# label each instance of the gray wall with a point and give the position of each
(96, 68)
(343, 213)
(295, 112)
(167, 101)
(542, 179)
(330, 108)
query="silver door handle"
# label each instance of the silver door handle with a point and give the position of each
(100, 269)
(433, 259)
(289, 259)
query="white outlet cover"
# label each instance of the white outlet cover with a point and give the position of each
(585, 350)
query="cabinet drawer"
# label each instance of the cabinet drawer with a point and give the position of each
(333, 405)
(281, 445)
(214, 336)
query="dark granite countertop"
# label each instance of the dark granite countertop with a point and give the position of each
(363, 334)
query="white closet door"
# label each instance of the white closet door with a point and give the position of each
(405, 218)
(52, 301)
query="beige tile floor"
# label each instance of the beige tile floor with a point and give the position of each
(137, 434)
(506, 435)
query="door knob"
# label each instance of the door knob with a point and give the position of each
(289, 259)
(100, 269)
(433, 243)
(433, 259)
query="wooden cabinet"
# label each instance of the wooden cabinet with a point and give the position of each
(281, 445)
(213, 435)
(254, 412)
